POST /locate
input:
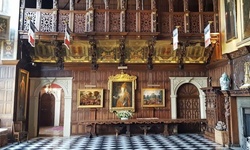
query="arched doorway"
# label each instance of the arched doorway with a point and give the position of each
(36, 84)
(188, 107)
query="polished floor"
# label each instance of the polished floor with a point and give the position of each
(111, 142)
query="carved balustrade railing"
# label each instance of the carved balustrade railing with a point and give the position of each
(105, 20)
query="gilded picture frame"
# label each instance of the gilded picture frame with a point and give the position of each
(90, 98)
(153, 97)
(4, 27)
(230, 18)
(22, 95)
(122, 92)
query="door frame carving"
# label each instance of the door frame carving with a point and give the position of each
(176, 82)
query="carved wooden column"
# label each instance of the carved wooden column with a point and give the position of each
(55, 9)
(171, 9)
(153, 16)
(106, 2)
(71, 14)
(227, 115)
(214, 109)
(38, 4)
(201, 3)
(186, 17)
(216, 20)
(122, 16)
(21, 15)
(138, 16)
(89, 27)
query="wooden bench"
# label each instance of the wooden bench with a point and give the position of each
(144, 123)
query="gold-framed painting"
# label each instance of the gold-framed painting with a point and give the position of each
(90, 98)
(230, 17)
(4, 27)
(23, 82)
(122, 92)
(153, 97)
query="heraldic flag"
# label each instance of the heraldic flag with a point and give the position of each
(67, 37)
(31, 34)
(207, 36)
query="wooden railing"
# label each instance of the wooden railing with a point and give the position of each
(102, 20)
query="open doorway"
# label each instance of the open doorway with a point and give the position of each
(50, 119)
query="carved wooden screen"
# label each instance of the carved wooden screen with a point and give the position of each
(188, 107)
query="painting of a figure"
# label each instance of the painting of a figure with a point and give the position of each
(22, 95)
(122, 91)
(121, 94)
(90, 98)
(230, 17)
(246, 18)
(153, 97)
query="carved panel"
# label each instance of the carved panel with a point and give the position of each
(145, 21)
(209, 17)
(179, 21)
(130, 21)
(29, 15)
(100, 21)
(63, 18)
(164, 52)
(194, 23)
(46, 22)
(164, 23)
(79, 22)
(114, 24)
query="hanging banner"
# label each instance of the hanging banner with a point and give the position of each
(207, 36)
(175, 39)
(67, 37)
(31, 34)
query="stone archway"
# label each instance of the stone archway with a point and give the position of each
(36, 84)
(176, 82)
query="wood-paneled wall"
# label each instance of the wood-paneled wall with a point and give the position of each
(7, 94)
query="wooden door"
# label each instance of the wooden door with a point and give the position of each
(47, 110)
(188, 107)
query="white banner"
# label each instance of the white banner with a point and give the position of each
(175, 39)
(207, 36)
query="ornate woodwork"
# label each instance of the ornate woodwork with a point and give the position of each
(214, 109)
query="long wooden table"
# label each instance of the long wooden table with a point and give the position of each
(144, 123)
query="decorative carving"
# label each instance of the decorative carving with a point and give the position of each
(99, 21)
(130, 21)
(114, 22)
(151, 51)
(47, 23)
(94, 64)
(60, 53)
(247, 76)
(122, 53)
(79, 23)
(55, 4)
(145, 21)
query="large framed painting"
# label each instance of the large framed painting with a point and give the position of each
(246, 18)
(153, 97)
(122, 92)
(230, 17)
(4, 27)
(90, 98)
(23, 82)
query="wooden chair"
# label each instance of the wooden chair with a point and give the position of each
(18, 133)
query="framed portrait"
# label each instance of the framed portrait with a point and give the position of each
(122, 92)
(90, 98)
(22, 94)
(230, 17)
(153, 97)
(4, 27)
(246, 19)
